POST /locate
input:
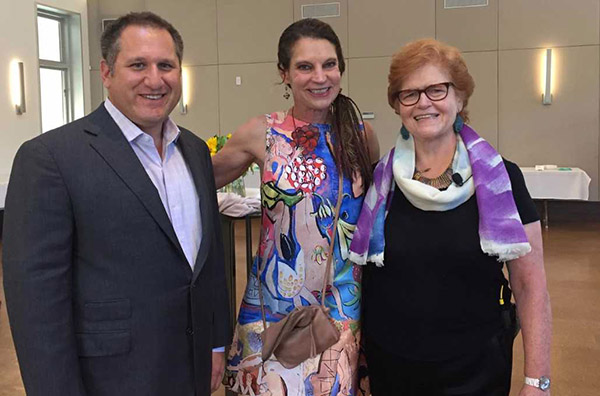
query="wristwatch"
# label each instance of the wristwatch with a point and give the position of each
(542, 383)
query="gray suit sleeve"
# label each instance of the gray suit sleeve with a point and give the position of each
(221, 323)
(37, 259)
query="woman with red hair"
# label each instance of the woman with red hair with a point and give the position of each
(447, 211)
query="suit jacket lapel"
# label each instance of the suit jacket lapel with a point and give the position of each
(198, 167)
(114, 148)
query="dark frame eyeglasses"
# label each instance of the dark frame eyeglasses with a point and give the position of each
(434, 92)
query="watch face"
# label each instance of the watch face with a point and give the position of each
(544, 383)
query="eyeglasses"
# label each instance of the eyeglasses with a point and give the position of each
(435, 92)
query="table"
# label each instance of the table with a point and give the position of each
(560, 183)
(228, 230)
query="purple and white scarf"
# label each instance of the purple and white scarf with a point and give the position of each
(501, 232)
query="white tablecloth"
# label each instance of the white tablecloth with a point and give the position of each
(233, 205)
(557, 184)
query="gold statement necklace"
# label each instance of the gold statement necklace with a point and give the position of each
(441, 182)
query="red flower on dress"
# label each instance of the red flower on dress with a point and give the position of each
(306, 137)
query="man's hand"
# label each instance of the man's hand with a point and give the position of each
(527, 390)
(218, 368)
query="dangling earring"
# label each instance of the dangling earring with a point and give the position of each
(458, 123)
(404, 132)
(286, 94)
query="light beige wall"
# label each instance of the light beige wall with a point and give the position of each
(471, 28)
(501, 42)
(18, 40)
(248, 30)
(564, 133)
(259, 93)
(367, 78)
(380, 27)
(483, 105)
(15, 129)
(535, 23)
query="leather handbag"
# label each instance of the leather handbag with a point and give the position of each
(304, 333)
(307, 331)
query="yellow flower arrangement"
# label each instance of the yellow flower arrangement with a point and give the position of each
(216, 143)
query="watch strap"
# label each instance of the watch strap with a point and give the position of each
(542, 383)
(535, 382)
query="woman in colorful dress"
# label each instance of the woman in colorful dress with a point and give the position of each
(444, 213)
(300, 152)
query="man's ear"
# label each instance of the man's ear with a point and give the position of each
(105, 73)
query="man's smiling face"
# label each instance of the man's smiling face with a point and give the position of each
(145, 81)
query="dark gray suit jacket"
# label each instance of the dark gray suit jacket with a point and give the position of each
(100, 296)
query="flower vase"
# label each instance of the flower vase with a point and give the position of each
(237, 186)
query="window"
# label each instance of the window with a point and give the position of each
(60, 59)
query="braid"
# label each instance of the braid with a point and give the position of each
(351, 148)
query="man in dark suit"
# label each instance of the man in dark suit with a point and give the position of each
(113, 264)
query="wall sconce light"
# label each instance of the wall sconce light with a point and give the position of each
(18, 87)
(547, 95)
(185, 91)
(182, 106)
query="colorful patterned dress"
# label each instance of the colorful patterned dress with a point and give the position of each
(299, 192)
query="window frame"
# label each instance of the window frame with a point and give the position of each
(67, 64)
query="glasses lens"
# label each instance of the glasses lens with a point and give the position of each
(408, 97)
(437, 91)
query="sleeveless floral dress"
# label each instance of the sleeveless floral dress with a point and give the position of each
(299, 190)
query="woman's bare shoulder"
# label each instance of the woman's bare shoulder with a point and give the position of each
(248, 139)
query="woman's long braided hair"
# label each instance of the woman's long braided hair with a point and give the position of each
(351, 150)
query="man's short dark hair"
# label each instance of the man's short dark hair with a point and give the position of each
(110, 41)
